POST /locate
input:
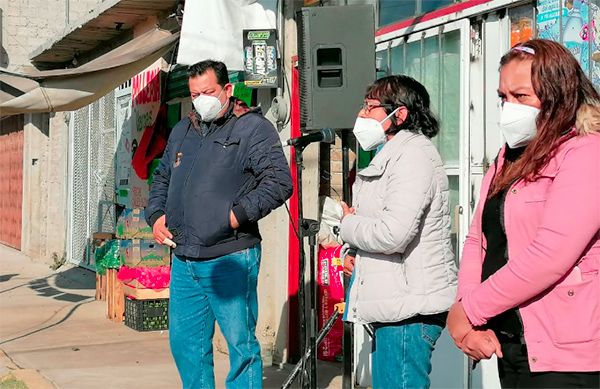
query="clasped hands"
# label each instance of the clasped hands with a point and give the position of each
(477, 343)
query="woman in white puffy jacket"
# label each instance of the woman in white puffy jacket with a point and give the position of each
(401, 257)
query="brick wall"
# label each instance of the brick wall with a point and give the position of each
(331, 177)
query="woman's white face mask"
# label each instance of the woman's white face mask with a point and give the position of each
(518, 124)
(369, 132)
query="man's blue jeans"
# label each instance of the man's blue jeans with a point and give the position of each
(401, 356)
(224, 289)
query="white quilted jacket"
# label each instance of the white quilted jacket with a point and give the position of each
(404, 264)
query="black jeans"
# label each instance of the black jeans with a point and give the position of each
(514, 372)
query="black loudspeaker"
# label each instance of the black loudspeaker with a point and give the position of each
(336, 63)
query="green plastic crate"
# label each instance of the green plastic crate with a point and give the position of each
(147, 315)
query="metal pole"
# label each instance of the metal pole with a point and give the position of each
(345, 166)
(301, 266)
(328, 326)
(313, 312)
(67, 12)
(347, 341)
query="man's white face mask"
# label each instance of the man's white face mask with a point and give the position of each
(517, 122)
(208, 107)
(369, 132)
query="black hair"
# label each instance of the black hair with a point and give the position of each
(201, 67)
(404, 91)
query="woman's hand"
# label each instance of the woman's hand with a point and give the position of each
(348, 265)
(458, 324)
(346, 210)
(481, 344)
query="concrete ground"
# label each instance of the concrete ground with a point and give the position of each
(53, 334)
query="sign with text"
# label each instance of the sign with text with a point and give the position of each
(145, 103)
(260, 58)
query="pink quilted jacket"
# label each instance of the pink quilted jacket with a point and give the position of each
(553, 231)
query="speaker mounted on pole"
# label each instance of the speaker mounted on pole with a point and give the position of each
(336, 62)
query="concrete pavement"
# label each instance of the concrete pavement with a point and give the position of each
(53, 334)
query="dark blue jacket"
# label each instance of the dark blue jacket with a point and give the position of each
(235, 164)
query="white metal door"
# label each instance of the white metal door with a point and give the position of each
(491, 39)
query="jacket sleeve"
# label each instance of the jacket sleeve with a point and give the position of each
(571, 219)
(407, 195)
(159, 189)
(269, 167)
(471, 260)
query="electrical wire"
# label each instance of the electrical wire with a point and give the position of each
(280, 49)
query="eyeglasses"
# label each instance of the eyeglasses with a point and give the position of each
(368, 107)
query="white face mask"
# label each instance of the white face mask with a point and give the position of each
(208, 107)
(369, 132)
(517, 122)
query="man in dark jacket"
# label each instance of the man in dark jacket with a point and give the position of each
(221, 172)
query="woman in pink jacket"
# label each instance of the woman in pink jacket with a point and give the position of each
(529, 283)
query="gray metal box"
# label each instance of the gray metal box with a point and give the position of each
(336, 63)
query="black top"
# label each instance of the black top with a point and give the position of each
(508, 324)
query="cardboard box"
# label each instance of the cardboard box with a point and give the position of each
(145, 294)
(123, 151)
(132, 225)
(146, 253)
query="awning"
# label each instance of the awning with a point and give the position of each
(71, 89)
(12, 86)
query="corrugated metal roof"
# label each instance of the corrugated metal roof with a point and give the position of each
(109, 21)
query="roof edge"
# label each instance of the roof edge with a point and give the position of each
(92, 14)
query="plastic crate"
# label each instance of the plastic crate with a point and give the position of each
(147, 315)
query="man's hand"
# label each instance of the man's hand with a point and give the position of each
(348, 265)
(481, 344)
(233, 221)
(160, 230)
(347, 210)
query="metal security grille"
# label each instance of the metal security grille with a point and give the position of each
(92, 172)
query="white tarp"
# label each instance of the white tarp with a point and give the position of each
(212, 29)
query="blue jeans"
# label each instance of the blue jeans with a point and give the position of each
(401, 356)
(224, 289)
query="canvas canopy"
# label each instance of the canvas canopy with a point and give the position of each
(70, 89)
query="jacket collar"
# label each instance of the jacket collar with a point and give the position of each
(391, 149)
(588, 119)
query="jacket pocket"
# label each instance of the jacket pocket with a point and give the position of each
(574, 310)
(225, 152)
(174, 216)
(430, 333)
(208, 222)
(536, 191)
